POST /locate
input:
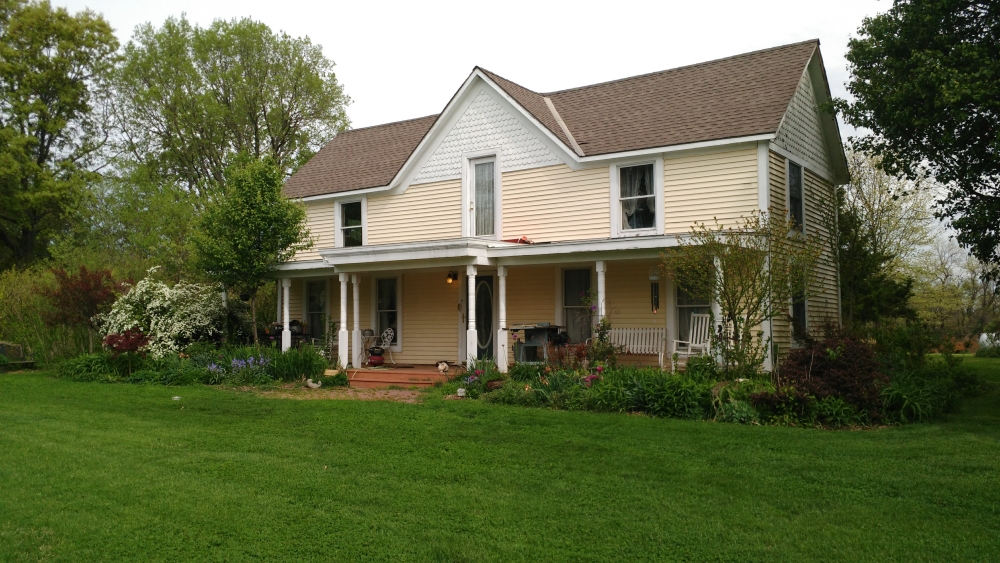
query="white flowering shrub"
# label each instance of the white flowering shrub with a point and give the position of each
(171, 317)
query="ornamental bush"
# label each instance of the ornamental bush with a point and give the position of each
(844, 368)
(170, 317)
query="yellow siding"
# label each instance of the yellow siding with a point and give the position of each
(430, 318)
(628, 301)
(424, 212)
(320, 220)
(823, 300)
(707, 186)
(556, 203)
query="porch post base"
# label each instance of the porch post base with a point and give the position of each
(286, 340)
(342, 347)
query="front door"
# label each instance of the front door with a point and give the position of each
(485, 331)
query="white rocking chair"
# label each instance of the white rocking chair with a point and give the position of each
(387, 335)
(700, 337)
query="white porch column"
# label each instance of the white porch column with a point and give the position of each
(286, 332)
(342, 328)
(356, 333)
(277, 314)
(601, 295)
(502, 308)
(471, 338)
(670, 303)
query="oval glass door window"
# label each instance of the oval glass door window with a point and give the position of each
(484, 317)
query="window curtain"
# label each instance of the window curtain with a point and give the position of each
(484, 199)
(636, 181)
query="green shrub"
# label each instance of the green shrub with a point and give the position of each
(295, 364)
(738, 411)
(521, 371)
(339, 380)
(988, 352)
(3, 360)
(836, 412)
(88, 367)
(928, 392)
(786, 407)
(702, 368)
(513, 393)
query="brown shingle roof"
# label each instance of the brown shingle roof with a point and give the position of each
(733, 97)
(359, 159)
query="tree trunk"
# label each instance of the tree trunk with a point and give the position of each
(253, 317)
(90, 340)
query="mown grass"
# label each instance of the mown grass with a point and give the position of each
(92, 471)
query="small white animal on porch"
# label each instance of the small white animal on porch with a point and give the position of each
(443, 366)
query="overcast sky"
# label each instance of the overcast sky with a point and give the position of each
(404, 60)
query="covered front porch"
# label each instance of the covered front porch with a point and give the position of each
(423, 292)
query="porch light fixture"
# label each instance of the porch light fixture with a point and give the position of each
(452, 277)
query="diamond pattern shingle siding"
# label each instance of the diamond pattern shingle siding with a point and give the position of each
(484, 125)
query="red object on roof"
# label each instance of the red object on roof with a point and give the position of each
(519, 240)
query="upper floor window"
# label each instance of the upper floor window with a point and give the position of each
(637, 197)
(350, 223)
(484, 197)
(796, 203)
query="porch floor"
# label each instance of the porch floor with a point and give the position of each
(389, 376)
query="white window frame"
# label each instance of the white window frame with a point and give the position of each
(398, 347)
(469, 190)
(339, 220)
(616, 217)
(788, 193)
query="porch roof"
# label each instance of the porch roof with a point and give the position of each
(478, 252)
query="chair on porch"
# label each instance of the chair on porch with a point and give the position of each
(699, 339)
(387, 335)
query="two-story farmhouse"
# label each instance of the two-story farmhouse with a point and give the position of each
(513, 207)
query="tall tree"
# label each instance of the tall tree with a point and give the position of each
(189, 99)
(249, 229)
(52, 67)
(883, 221)
(129, 222)
(925, 76)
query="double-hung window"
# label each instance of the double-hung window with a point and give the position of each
(350, 223)
(796, 202)
(483, 215)
(637, 197)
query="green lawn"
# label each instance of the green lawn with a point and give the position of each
(121, 472)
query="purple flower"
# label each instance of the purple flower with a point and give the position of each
(479, 372)
(593, 307)
(600, 369)
(214, 368)
(471, 379)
